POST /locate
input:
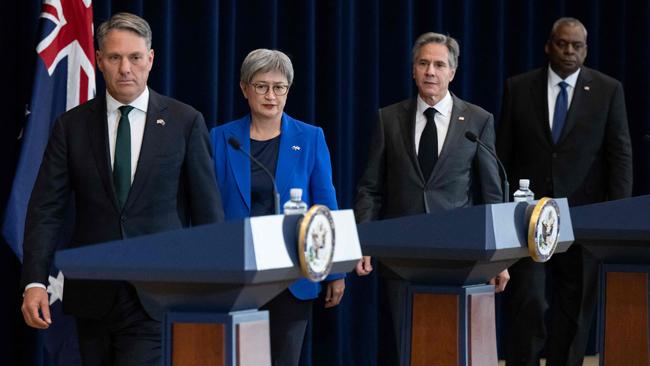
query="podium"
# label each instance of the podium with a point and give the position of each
(448, 258)
(206, 283)
(618, 233)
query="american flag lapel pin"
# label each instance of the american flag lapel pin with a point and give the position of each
(160, 121)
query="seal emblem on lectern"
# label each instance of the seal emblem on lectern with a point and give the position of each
(316, 241)
(544, 229)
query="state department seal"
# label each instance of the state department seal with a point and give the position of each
(316, 241)
(544, 229)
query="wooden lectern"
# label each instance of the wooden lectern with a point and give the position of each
(618, 233)
(448, 258)
(206, 283)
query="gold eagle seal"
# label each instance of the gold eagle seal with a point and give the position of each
(544, 229)
(316, 241)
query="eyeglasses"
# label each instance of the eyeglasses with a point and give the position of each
(559, 43)
(262, 89)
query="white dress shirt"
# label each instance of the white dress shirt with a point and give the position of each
(137, 118)
(442, 119)
(553, 89)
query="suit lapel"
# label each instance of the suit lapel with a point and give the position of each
(151, 145)
(98, 137)
(455, 131)
(407, 129)
(238, 163)
(291, 147)
(579, 102)
(539, 96)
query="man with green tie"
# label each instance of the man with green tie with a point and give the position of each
(136, 163)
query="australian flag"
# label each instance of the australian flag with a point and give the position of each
(64, 78)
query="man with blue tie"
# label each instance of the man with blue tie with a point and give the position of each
(564, 127)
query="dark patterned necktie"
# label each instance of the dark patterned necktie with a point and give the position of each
(428, 148)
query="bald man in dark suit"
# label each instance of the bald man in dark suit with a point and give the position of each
(564, 127)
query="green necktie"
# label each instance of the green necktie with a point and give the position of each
(122, 162)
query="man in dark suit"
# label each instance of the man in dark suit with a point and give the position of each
(421, 162)
(564, 127)
(136, 163)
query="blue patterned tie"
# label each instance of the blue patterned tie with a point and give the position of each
(122, 161)
(559, 116)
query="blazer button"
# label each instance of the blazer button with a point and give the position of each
(123, 218)
(554, 155)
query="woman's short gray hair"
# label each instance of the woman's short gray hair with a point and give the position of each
(452, 46)
(265, 60)
(125, 21)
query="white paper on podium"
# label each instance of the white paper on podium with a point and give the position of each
(271, 253)
(347, 245)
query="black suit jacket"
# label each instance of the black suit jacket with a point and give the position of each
(393, 185)
(174, 186)
(592, 161)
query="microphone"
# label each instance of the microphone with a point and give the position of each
(276, 196)
(506, 186)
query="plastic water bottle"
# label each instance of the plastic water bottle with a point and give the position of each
(524, 194)
(295, 206)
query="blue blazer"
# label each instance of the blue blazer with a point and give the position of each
(303, 162)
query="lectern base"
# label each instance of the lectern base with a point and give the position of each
(625, 337)
(214, 339)
(449, 326)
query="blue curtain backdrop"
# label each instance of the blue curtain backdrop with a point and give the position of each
(350, 58)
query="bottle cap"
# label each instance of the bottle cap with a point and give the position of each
(296, 194)
(524, 183)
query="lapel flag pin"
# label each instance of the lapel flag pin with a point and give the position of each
(160, 121)
(586, 88)
(461, 118)
(295, 148)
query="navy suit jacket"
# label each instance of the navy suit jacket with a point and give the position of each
(303, 162)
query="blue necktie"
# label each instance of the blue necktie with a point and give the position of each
(122, 160)
(559, 116)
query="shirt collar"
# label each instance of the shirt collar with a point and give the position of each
(554, 79)
(140, 103)
(443, 106)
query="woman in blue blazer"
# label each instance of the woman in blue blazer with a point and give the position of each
(297, 153)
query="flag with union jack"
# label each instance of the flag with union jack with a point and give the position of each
(64, 78)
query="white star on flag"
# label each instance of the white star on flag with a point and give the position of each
(55, 289)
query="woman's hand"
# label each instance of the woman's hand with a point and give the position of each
(335, 290)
